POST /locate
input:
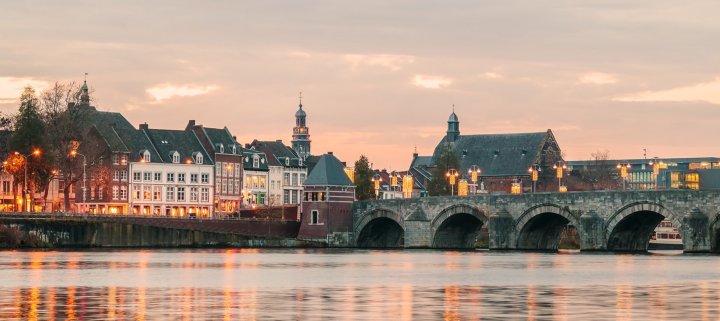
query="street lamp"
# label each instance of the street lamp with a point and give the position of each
(376, 179)
(408, 184)
(624, 168)
(656, 165)
(73, 154)
(452, 175)
(559, 168)
(36, 153)
(535, 175)
(394, 180)
(474, 172)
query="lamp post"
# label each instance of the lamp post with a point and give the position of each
(394, 181)
(535, 175)
(452, 175)
(474, 172)
(36, 153)
(559, 168)
(624, 168)
(74, 153)
(408, 184)
(376, 179)
(656, 164)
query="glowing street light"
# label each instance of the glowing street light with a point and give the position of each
(36, 153)
(656, 165)
(394, 181)
(474, 173)
(407, 185)
(535, 175)
(559, 168)
(624, 168)
(73, 154)
(452, 175)
(376, 179)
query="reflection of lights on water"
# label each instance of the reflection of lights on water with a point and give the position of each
(34, 302)
(531, 302)
(452, 303)
(70, 304)
(623, 304)
(141, 303)
(227, 304)
(560, 303)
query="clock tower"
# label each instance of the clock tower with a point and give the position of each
(301, 134)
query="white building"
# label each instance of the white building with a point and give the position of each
(255, 178)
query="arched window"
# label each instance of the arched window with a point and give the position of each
(198, 158)
(234, 149)
(256, 161)
(222, 148)
(287, 161)
(146, 156)
(176, 158)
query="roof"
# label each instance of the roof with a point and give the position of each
(167, 142)
(499, 154)
(119, 134)
(426, 161)
(453, 118)
(311, 161)
(222, 136)
(248, 156)
(682, 160)
(300, 112)
(328, 171)
(277, 153)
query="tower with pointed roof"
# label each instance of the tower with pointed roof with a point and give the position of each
(301, 134)
(453, 127)
(85, 95)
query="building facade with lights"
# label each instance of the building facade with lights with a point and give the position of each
(255, 177)
(287, 172)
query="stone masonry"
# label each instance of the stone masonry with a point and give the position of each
(605, 220)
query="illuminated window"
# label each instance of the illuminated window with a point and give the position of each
(115, 192)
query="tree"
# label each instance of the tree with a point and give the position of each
(363, 174)
(447, 159)
(29, 134)
(601, 172)
(67, 124)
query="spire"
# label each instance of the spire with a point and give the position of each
(453, 127)
(300, 98)
(85, 95)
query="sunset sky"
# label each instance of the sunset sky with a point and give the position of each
(381, 77)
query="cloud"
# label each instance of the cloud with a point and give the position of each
(491, 75)
(707, 92)
(431, 82)
(12, 87)
(392, 62)
(597, 78)
(166, 91)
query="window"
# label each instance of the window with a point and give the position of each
(115, 192)
(146, 156)
(123, 192)
(256, 161)
(262, 182)
(223, 183)
(181, 194)
(137, 176)
(300, 162)
(170, 177)
(123, 175)
(193, 194)
(314, 217)
(287, 161)
(198, 158)
(146, 176)
(193, 178)
(181, 177)
(116, 175)
(136, 193)
(237, 186)
(302, 179)
(218, 168)
(115, 159)
(237, 170)
(294, 179)
(205, 194)
(123, 159)
(222, 148)
(146, 193)
(292, 197)
(205, 178)
(286, 197)
(157, 177)
(176, 158)
(157, 191)
(286, 179)
(234, 149)
(6, 187)
(170, 194)
(217, 186)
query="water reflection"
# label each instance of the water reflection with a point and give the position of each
(355, 285)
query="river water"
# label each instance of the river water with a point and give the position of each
(254, 284)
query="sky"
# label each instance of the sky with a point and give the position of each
(380, 78)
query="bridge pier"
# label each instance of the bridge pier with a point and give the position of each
(695, 232)
(501, 230)
(591, 231)
(418, 234)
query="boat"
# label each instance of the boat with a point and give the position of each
(666, 237)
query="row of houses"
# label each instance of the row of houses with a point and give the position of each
(196, 171)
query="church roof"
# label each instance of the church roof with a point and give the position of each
(453, 118)
(499, 154)
(328, 171)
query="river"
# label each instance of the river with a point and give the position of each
(297, 284)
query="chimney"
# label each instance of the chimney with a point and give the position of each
(330, 153)
(190, 125)
(279, 141)
(144, 126)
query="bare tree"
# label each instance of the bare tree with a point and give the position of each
(601, 172)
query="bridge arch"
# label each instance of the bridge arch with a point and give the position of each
(540, 226)
(380, 228)
(629, 229)
(457, 227)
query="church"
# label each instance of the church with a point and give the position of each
(503, 159)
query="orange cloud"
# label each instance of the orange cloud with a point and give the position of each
(707, 92)
(167, 91)
(431, 82)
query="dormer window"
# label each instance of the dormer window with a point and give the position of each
(256, 161)
(234, 149)
(287, 161)
(222, 148)
(198, 158)
(145, 156)
(176, 158)
(300, 162)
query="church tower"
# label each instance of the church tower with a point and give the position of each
(453, 127)
(301, 134)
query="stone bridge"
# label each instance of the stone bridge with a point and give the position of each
(605, 221)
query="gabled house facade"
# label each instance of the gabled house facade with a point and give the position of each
(255, 178)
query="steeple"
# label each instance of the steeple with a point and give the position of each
(301, 133)
(453, 127)
(85, 95)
